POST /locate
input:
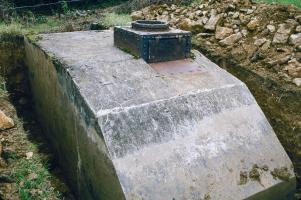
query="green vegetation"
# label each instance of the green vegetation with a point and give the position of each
(28, 167)
(33, 178)
(11, 30)
(113, 19)
(293, 2)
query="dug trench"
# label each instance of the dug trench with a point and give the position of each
(28, 168)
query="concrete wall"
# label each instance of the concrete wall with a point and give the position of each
(121, 129)
(71, 128)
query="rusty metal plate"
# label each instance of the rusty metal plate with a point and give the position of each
(176, 67)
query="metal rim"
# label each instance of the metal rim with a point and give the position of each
(150, 25)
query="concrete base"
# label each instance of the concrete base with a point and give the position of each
(124, 130)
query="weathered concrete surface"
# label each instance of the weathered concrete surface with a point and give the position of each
(124, 131)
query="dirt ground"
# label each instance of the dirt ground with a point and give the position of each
(28, 169)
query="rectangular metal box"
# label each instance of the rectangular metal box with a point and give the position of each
(159, 46)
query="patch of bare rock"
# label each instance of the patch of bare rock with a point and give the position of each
(264, 37)
(5, 121)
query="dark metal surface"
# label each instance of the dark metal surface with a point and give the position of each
(150, 25)
(153, 46)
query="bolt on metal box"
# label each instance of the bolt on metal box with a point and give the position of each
(153, 41)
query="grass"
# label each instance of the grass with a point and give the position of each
(114, 19)
(292, 2)
(31, 175)
(33, 178)
(11, 30)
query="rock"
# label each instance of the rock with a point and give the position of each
(282, 34)
(230, 40)
(295, 39)
(266, 45)
(260, 42)
(212, 22)
(271, 28)
(249, 11)
(235, 15)
(279, 60)
(256, 56)
(96, 26)
(297, 81)
(253, 24)
(298, 48)
(29, 155)
(291, 22)
(204, 35)
(193, 26)
(137, 15)
(223, 32)
(298, 29)
(198, 13)
(244, 32)
(298, 18)
(5, 121)
(185, 24)
(173, 7)
(293, 68)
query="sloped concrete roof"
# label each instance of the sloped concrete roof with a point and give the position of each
(172, 136)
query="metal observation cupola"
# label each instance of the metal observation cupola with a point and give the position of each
(154, 41)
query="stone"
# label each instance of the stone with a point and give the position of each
(282, 34)
(244, 32)
(235, 15)
(298, 18)
(29, 155)
(271, 28)
(190, 25)
(295, 39)
(198, 13)
(249, 11)
(173, 7)
(5, 121)
(204, 35)
(230, 40)
(186, 24)
(280, 60)
(223, 32)
(298, 29)
(256, 56)
(297, 81)
(212, 22)
(253, 24)
(266, 45)
(137, 15)
(260, 42)
(293, 68)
